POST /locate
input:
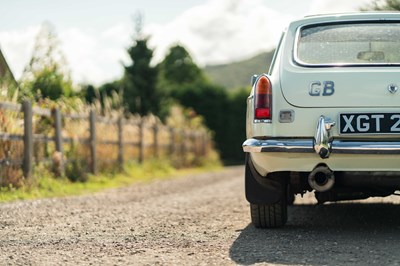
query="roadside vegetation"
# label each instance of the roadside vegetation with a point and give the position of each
(175, 91)
(45, 185)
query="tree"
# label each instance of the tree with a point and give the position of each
(47, 73)
(382, 5)
(140, 78)
(181, 80)
(49, 83)
(177, 70)
(209, 101)
(89, 93)
(178, 67)
(235, 125)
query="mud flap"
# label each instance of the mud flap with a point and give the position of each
(259, 189)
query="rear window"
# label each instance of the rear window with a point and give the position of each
(349, 44)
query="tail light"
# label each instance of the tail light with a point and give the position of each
(263, 98)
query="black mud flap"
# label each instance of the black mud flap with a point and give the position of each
(262, 190)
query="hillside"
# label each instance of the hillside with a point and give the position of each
(238, 74)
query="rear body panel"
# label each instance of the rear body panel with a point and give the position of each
(348, 87)
(362, 92)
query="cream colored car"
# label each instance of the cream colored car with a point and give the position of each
(326, 117)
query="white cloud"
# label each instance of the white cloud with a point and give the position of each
(17, 46)
(95, 57)
(217, 31)
(221, 31)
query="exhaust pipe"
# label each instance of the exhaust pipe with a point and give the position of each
(321, 179)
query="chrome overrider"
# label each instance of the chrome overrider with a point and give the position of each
(322, 141)
(323, 137)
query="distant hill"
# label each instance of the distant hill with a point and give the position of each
(238, 74)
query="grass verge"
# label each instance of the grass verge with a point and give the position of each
(44, 185)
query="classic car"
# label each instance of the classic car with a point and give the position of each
(326, 117)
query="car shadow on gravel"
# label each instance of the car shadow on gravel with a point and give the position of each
(337, 234)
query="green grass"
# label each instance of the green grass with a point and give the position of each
(44, 185)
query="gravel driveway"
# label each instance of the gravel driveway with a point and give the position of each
(194, 220)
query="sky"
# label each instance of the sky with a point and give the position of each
(95, 34)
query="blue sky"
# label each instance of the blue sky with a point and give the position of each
(94, 34)
(16, 14)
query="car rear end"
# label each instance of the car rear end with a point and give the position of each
(326, 117)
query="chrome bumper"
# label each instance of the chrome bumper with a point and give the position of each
(307, 146)
(322, 144)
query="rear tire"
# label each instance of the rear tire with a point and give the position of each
(269, 216)
(270, 196)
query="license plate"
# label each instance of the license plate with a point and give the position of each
(369, 123)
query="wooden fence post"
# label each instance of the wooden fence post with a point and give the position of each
(172, 141)
(183, 143)
(58, 141)
(193, 142)
(92, 128)
(141, 140)
(204, 144)
(196, 144)
(120, 142)
(155, 140)
(28, 139)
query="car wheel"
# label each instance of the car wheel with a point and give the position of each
(269, 216)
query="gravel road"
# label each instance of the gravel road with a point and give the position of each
(201, 219)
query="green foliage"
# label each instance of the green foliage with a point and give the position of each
(224, 113)
(76, 167)
(207, 100)
(107, 99)
(176, 72)
(182, 80)
(89, 93)
(49, 83)
(383, 5)
(44, 185)
(110, 88)
(178, 68)
(179, 119)
(236, 126)
(47, 74)
(8, 87)
(140, 80)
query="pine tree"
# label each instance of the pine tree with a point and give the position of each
(140, 78)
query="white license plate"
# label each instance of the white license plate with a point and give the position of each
(369, 123)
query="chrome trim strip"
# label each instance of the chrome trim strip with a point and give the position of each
(306, 146)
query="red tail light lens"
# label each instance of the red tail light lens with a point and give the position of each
(263, 98)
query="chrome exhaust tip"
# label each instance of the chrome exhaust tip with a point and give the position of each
(321, 179)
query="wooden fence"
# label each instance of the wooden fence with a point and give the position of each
(137, 138)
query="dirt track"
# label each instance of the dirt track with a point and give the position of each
(196, 220)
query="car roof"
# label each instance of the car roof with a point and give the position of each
(355, 16)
